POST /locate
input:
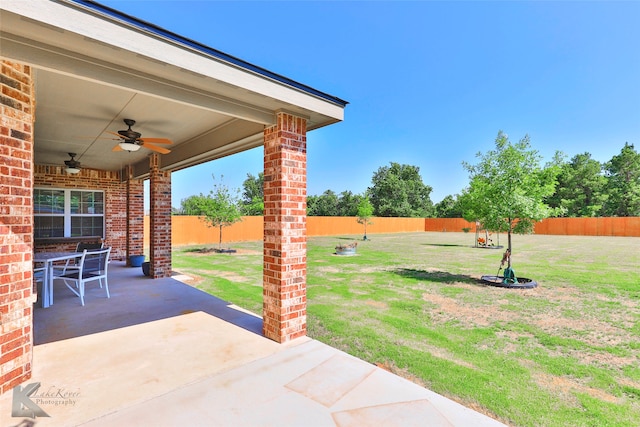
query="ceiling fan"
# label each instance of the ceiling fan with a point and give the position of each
(132, 140)
(73, 166)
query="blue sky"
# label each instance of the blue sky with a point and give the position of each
(428, 83)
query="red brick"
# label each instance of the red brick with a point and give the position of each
(284, 282)
(160, 219)
(16, 134)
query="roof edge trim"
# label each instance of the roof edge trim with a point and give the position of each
(199, 47)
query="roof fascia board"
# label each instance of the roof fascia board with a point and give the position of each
(172, 37)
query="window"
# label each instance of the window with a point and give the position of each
(68, 213)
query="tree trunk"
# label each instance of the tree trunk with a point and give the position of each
(220, 244)
(509, 243)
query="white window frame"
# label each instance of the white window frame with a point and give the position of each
(67, 209)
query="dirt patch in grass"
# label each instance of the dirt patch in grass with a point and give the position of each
(588, 328)
(193, 278)
(230, 275)
(329, 269)
(442, 353)
(448, 309)
(592, 331)
(390, 366)
(602, 358)
(215, 251)
(567, 387)
(363, 270)
(376, 304)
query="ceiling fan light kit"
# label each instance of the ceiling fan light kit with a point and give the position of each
(73, 166)
(129, 146)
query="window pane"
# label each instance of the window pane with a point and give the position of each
(87, 226)
(75, 201)
(88, 207)
(58, 201)
(48, 201)
(48, 226)
(99, 202)
(87, 202)
(39, 201)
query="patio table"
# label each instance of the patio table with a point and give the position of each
(49, 259)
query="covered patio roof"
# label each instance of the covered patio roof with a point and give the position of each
(95, 67)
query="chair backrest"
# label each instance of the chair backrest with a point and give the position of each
(88, 246)
(96, 261)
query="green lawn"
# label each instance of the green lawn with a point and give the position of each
(563, 354)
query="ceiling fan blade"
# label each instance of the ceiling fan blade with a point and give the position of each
(117, 148)
(97, 137)
(116, 134)
(152, 147)
(156, 140)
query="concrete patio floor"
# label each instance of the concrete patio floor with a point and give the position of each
(162, 353)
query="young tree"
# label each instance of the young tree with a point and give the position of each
(253, 195)
(365, 212)
(220, 208)
(623, 183)
(508, 187)
(398, 191)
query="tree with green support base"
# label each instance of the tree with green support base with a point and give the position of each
(507, 189)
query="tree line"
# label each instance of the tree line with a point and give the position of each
(578, 187)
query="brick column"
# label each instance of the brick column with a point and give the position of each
(285, 232)
(135, 215)
(159, 219)
(16, 223)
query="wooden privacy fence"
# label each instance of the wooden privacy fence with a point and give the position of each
(192, 230)
(617, 226)
(610, 226)
(334, 225)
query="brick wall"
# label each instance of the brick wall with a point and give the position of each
(160, 219)
(135, 215)
(115, 193)
(285, 240)
(16, 224)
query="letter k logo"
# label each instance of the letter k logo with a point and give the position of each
(22, 405)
